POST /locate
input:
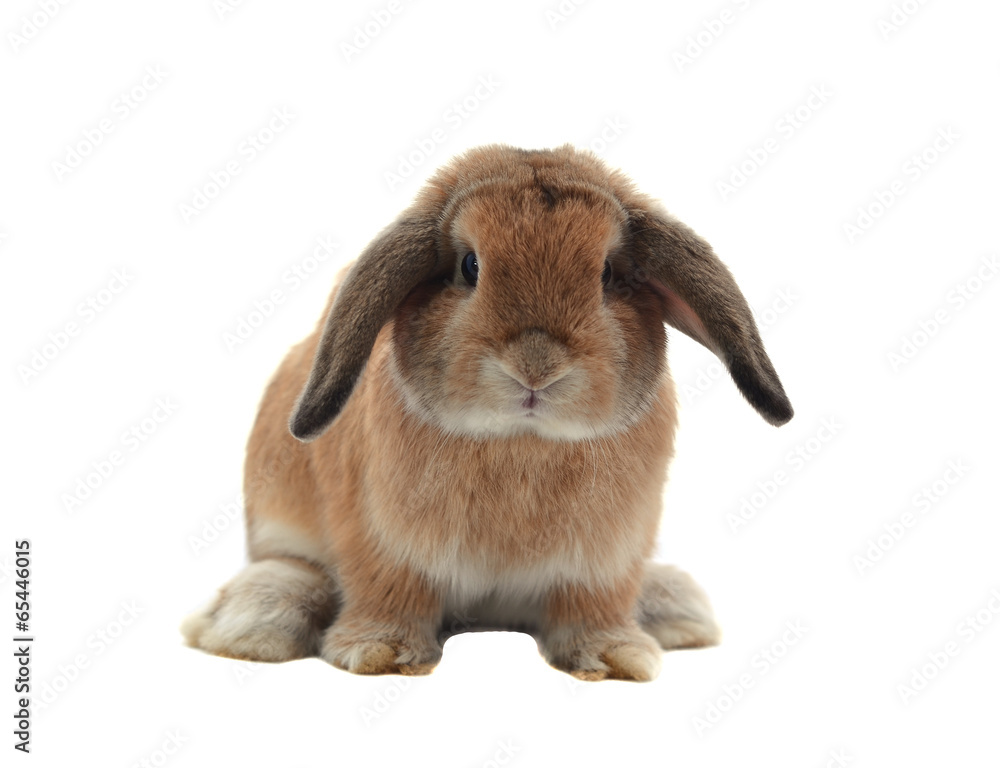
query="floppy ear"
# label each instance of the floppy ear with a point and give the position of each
(701, 299)
(403, 255)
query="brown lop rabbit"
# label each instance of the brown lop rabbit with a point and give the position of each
(480, 430)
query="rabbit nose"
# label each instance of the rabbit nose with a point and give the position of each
(535, 360)
(534, 385)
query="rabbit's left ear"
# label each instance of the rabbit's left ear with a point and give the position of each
(394, 263)
(701, 299)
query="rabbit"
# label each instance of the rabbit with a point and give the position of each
(477, 433)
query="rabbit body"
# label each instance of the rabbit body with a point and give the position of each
(485, 446)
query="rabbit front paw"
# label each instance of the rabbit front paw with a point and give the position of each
(381, 651)
(622, 653)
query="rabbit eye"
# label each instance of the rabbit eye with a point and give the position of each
(470, 268)
(606, 275)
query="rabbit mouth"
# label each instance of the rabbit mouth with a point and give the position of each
(540, 412)
(530, 402)
(534, 400)
(536, 397)
(512, 417)
(531, 407)
(539, 422)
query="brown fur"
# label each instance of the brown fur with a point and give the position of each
(425, 495)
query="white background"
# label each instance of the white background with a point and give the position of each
(834, 308)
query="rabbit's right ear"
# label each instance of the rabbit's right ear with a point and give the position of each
(701, 299)
(401, 257)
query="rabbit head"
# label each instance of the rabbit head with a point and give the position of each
(527, 292)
